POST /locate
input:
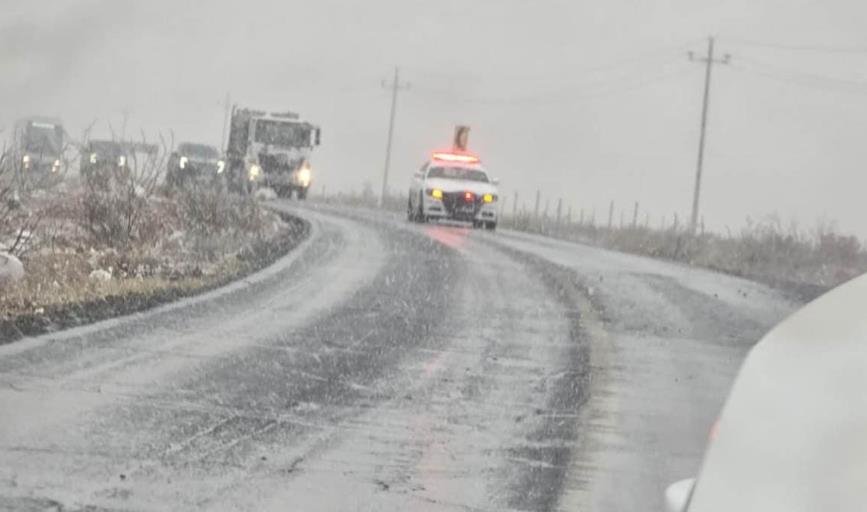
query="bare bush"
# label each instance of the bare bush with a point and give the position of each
(217, 222)
(764, 251)
(117, 202)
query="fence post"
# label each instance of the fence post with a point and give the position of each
(610, 214)
(635, 216)
(515, 209)
(559, 209)
(581, 218)
(675, 222)
(536, 208)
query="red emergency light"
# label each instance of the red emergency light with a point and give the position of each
(468, 197)
(465, 158)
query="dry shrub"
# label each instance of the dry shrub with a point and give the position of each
(763, 251)
(117, 206)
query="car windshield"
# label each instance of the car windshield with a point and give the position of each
(43, 138)
(282, 133)
(198, 151)
(457, 173)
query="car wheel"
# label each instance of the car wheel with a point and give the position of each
(410, 215)
(420, 216)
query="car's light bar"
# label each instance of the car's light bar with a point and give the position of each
(466, 158)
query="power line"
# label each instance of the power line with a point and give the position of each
(628, 62)
(800, 47)
(559, 96)
(798, 81)
(806, 75)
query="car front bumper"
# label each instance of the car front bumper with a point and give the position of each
(447, 210)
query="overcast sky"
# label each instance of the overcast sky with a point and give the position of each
(588, 101)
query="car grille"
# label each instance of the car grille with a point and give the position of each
(458, 207)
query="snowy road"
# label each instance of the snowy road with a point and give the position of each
(387, 366)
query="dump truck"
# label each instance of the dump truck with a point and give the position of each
(270, 150)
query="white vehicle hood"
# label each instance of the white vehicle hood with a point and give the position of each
(791, 437)
(448, 185)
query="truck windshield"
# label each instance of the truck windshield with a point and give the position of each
(282, 133)
(43, 138)
(457, 173)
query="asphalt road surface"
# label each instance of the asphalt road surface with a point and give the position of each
(387, 366)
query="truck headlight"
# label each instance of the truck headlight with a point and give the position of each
(436, 193)
(489, 198)
(56, 166)
(182, 163)
(254, 172)
(221, 166)
(93, 158)
(121, 161)
(26, 161)
(304, 176)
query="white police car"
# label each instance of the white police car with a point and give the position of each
(453, 185)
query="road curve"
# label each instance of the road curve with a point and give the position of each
(387, 366)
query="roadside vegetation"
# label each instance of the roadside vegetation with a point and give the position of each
(120, 241)
(804, 262)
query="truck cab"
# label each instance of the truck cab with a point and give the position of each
(271, 149)
(39, 144)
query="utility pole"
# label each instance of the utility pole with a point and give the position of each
(395, 86)
(709, 62)
(227, 106)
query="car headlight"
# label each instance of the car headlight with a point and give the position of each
(26, 160)
(182, 163)
(304, 176)
(56, 166)
(221, 166)
(121, 161)
(254, 172)
(93, 158)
